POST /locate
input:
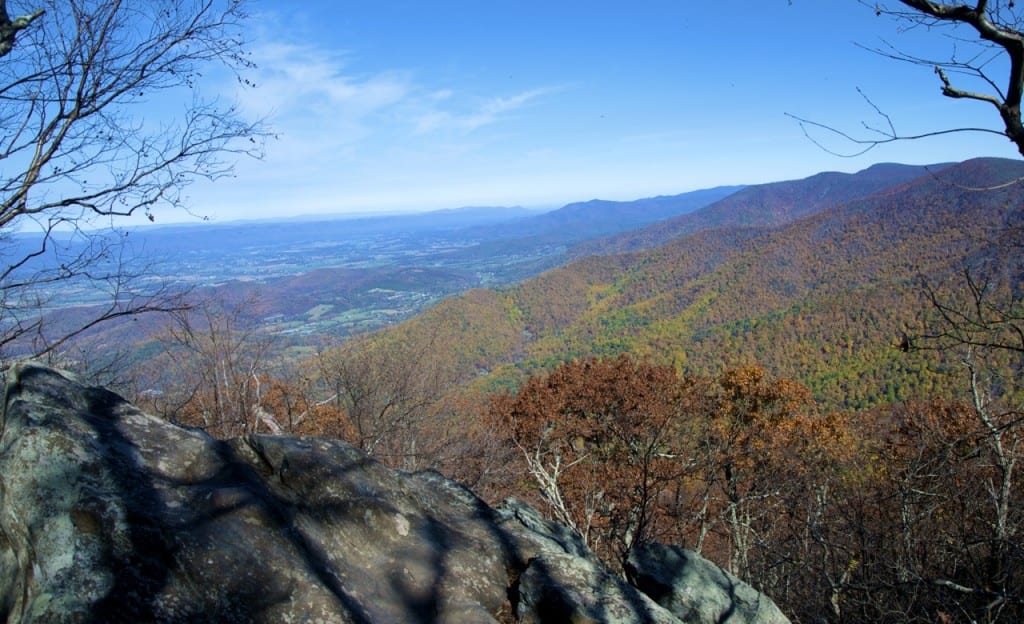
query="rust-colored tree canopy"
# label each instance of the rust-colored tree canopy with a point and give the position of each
(906, 509)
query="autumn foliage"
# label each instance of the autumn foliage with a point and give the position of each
(903, 513)
(602, 441)
(627, 452)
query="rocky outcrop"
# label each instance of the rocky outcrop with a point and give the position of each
(695, 589)
(108, 514)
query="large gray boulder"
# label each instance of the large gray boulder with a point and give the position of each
(108, 514)
(695, 589)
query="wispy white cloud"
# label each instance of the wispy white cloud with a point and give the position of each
(343, 132)
(301, 87)
(318, 104)
(486, 112)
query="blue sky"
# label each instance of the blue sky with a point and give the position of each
(386, 105)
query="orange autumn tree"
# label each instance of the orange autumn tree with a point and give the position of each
(752, 429)
(601, 441)
(627, 452)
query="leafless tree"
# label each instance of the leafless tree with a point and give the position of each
(986, 64)
(213, 371)
(998, 25)
(393, 393)
(102, 114)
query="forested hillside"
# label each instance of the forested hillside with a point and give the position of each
(757, 393)
(824, 299)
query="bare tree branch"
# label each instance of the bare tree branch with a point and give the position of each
(1003, 35)
(882, 137)
(998, 34)
(81, 138)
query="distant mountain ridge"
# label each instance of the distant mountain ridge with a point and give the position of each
(567, 225)
(768, 204)
(496, 226)
(656, 208)
(581, 221)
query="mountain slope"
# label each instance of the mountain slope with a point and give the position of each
(821, 299)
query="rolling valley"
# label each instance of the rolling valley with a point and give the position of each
(304, 281)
